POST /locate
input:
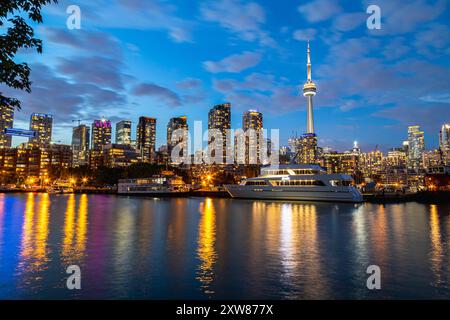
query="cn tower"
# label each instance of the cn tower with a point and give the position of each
(309, 91)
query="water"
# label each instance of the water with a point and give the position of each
(196, 248)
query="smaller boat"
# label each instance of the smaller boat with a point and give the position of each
(59, 190)
(158, 185)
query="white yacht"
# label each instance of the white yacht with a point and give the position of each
(297, 182)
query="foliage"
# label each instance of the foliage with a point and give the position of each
(19, 35)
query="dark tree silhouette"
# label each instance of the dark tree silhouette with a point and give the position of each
(18, 35)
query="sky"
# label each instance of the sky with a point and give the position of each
(165, 59)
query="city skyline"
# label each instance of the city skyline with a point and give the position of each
(132, 134)
(371, 86)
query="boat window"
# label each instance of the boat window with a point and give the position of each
(340, 183)
(277, 172)
(298, 183)
(256, 183)
(305, 171)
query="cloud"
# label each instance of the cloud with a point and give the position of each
(264, 91)
(94, 70)
(234, 63)
(399, 17)
(156, 91)
(83, 40)
(349, 21)
(244, 19)
(395, 48)
(304, 34)
(65, 99)
(437, 98)
(319, 10)
(349, 105)
(367, 73)
(140, 15)
(431, 41)
(189, 83)
(180, 35)
(430, 117)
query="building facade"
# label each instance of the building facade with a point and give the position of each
(6, 122)
(432, 159)
(308, 149)
(219, 120)
(175, 124)
(397, 157)
(60, 157)
(123, 132)
(252, 125)
(336, 162)
(416, 146)
(119, 155)
(80, 145)
(100, 137)
(33, 164)
(444, 144)
(146, 139)
(101, 134)
(42, 125)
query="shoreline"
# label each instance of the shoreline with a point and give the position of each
(421, 197)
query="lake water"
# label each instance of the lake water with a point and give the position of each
(201, 248)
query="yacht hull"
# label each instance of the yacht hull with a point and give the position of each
(247, 192)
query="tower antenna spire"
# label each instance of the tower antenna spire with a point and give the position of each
(308, 64)
(309, 91)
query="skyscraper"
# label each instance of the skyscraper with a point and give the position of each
(219, 118)
(101, 134)
(123, 132)
(175, 124)
(42, 125)
(252, 120)
(444, 143)
(416, 146)
(146, 138)
(6, 122)
(308, 152)
(80, 145)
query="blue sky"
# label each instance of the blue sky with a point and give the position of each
(169, 58)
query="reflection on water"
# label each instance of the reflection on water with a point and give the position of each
(2, 216)
(206, 240)
(436, 244)
(379, 236)
(75, 228)
(35, 231)
(220, 248)
(34, 247)
(300, 252)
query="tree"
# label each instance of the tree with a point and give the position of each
(19, 35)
